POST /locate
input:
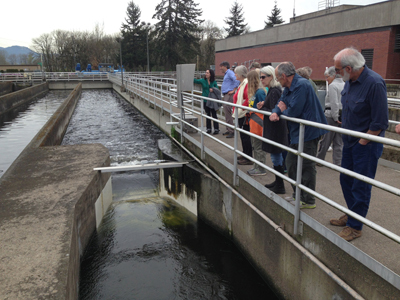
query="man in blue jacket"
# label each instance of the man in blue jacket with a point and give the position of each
(299, 100)
(365, 109)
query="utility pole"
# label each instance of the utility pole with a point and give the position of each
(147, 42)
(120, 56)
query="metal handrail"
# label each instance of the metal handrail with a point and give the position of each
(158, 87)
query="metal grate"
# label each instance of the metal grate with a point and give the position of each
(397, 41)
(369, 56)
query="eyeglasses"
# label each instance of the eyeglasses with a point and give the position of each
(338, 70)
(263, 77)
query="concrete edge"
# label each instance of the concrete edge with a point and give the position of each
(15, 99)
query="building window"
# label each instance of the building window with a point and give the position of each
(369, 56)
(397, 41)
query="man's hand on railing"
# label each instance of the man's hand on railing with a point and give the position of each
(274, 117)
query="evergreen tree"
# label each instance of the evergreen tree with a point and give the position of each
(274, 18)
(235, 22)
(176, 32)
(133, 31)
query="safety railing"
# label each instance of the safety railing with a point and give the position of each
(160, 93)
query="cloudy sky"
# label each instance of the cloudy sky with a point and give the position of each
(23, 20)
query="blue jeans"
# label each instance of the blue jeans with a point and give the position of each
(277, 159)
(364, 161)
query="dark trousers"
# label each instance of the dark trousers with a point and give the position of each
(309, 172)
(362, 160)
(246, 140)
(211, 112)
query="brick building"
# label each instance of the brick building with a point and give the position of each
(313, 39)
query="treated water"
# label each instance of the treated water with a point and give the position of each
(148, 247)
(19, 126)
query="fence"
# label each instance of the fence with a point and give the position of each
(160, 91)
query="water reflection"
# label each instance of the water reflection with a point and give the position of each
(154, 249)
(19, 126)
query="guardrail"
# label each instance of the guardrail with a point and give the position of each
(155, 89)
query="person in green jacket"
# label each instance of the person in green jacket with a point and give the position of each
(207, 84)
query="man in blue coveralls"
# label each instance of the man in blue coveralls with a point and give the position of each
(299, 100)
(365, 109)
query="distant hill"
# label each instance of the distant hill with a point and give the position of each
(17, 51)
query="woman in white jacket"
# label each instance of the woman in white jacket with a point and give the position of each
(241, 98)
(333, 105)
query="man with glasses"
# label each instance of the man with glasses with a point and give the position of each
(365, 109)
(299, 100)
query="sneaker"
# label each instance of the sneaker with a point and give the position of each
(208, 130)
(240, 157)
(342, 221)
(256, 172)
(290, 198)
(329, 149)
(349, 233)
(306, 205)
(230, 135)
(226, 133)
(216, 131)
(244, 162)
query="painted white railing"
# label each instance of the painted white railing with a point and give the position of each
(163, 90)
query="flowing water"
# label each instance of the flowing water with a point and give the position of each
(19, 126)
(148, 247)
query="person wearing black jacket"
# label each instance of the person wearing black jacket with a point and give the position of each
(275, 131)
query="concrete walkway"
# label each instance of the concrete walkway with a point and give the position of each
(384, 207)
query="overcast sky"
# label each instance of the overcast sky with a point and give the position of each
(23, 20)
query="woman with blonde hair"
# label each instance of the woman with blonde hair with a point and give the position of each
(241, 98)
(256, 94)
(275, 131)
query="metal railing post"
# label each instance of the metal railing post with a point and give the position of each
(170, 103)
(235, 146)
(202, 126)
(298, 180)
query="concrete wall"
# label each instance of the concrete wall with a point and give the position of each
(69, 85)
(279, 261)
(12, 100)
(6, 88)
(49, 201)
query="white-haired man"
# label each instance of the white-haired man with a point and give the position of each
(365, 109)
(332, 108)
(299, 100)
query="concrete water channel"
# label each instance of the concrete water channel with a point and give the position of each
(312, 265)
(147, 246)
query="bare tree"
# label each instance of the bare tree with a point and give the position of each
(209, 35)
(3, 57)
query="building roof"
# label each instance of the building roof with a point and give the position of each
(339, 21)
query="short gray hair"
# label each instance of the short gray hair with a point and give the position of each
(241, 71)
(350, 57)
(269, 70)
(331, 72)
(303, 73)
(286, 68)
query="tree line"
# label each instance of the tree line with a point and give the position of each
(179, 36)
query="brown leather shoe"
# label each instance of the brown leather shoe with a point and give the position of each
(244, 161)
(342, 221)
(349, 233)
